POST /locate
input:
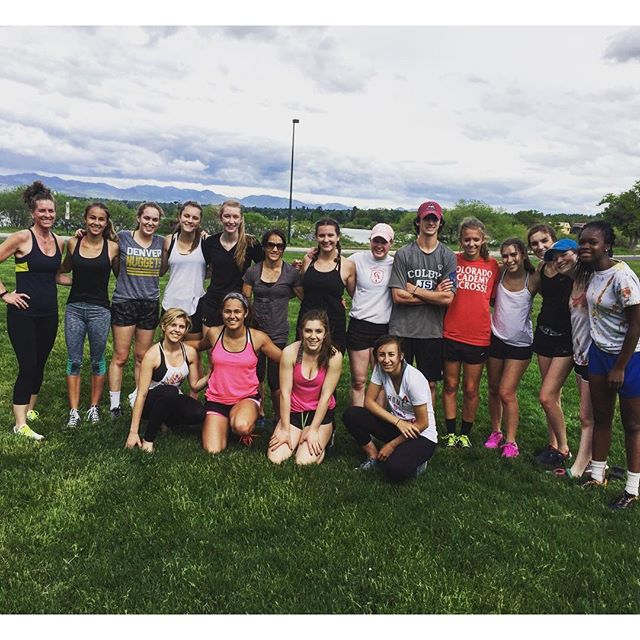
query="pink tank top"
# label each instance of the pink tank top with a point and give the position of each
(306, 393)
(234, 375)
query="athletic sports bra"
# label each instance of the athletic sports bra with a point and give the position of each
(233, 376)
(168, 375)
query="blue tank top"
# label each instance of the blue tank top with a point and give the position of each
(36, 276)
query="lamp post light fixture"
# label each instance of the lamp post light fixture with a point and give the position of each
(293, 144)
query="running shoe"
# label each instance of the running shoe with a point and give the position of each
(624, 501)
(367, 465)
(593, 484)
(422, 468)
(33, 415)
(74, 419)
(464, 442)
(541, 455)
(26, 431)
(93, 415)
(450, 440)
(553, 458)
(247, 439)
(510, 450)
(115, 413)
(494, 440)
(132, 397)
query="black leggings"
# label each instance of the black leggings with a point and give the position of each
(271, 368)
(165, 404)
(32, 340)
(407, 456)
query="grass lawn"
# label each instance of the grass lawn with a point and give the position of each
(88, 527)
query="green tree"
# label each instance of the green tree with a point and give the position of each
(623, 212)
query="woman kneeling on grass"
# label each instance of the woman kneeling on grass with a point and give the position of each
(309, 373)
(164, 368)
(408, 428)
(232, 391)
(613, 296)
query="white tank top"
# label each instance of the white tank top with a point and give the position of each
(186, 278)
(511, 319)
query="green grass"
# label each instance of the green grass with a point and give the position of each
(88, 527)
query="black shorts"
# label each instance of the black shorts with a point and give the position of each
(582, 370)
(503, 351)
(210, 313)
(552, 345)
(225, 409)
(428, 353)
(455, 351)
(305, 418)
(362, 335)
(196, 319)
(144, 314)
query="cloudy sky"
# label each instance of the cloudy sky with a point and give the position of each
(519, 117)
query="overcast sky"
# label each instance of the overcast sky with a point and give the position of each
(518, 117)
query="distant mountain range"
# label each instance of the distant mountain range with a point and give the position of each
(104, 191)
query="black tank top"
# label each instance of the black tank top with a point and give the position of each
(554, 313)
(36, 276)
(90, 277)
(323, 290)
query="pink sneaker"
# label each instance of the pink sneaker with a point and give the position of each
(494, 440)
(510, 450)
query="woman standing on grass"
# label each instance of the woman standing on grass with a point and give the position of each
(565, 255)
(134, 308)
(91, 257)
(272, 283)
(163, 370)
(407, 427)
(184, 258)
(309, 374)
(229, 254)
(232, 391)
(613, 296)
(553, 345)
(371, 306)
(325, 276)
(32, 308)
(466, 343)
(511, 339)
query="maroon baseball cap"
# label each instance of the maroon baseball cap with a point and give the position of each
(430, 208)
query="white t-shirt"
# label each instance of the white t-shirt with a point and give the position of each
(414, 391)
(580, 331)
(372, 299)
(609, 293)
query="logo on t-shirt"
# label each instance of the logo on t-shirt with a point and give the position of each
(377, 276)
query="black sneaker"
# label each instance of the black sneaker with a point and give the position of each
(553, 458)
(115, 413)
(541, 455)
(624, 501)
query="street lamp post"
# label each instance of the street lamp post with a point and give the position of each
(293, 144)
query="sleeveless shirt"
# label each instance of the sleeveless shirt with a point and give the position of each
(511, 320)
(305, 393)
(186, 278)
(90, 277)
(36, 276)
(168, 375)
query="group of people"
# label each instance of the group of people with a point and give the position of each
(426, 304)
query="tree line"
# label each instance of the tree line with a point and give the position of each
(622, 211)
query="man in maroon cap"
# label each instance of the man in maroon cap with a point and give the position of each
(419, 304)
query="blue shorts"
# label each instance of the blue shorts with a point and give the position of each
(601, 362)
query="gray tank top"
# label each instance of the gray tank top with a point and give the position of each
(139, 269)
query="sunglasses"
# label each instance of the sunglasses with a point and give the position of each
(275, 245)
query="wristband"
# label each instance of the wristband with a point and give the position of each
(4, 293)
(398, 421)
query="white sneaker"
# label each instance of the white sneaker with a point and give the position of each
(132, 397)
(26, 431)
(93, 415)
(74, 419)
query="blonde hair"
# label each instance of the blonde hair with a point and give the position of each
(143, 206)
(244, 239)
(171, 315)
